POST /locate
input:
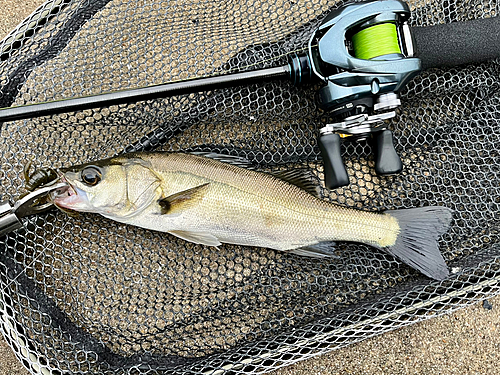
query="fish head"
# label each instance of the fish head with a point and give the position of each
(116, 188)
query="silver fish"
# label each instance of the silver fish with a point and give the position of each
(210, 202)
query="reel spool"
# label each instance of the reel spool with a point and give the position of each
(364, 54)
(376, 41)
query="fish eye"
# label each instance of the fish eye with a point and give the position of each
(91, 176)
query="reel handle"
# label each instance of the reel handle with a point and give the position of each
(387, 161)
(334, 168)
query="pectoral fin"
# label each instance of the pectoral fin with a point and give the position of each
(182, 200)
(197, 237)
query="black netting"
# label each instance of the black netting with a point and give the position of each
(86, 294)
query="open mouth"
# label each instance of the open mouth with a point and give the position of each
(66, 197)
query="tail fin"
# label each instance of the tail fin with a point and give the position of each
(417, 244)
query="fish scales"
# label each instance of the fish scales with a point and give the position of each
(243, 201)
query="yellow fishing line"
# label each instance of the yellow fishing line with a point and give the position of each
(377, 40)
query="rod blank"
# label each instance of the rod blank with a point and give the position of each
(140, 94)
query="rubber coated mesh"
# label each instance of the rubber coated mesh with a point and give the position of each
(86, 294)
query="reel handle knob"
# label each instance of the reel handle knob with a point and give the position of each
(387, 161)
(334, 168)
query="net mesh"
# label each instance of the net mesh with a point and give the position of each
(86, 294)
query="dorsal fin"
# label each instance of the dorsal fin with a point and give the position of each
(229, 159)
(302, 178)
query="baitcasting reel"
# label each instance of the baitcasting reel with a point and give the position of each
(364, 54)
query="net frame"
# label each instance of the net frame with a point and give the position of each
(474, 277)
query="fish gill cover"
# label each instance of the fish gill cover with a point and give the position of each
(86, 294)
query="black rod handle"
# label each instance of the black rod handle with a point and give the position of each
(334, 168)
(387, 161)
(458, 43)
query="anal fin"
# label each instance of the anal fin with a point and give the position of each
(197, 237)
(319, 250)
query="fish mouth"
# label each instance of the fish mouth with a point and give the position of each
(70, 197)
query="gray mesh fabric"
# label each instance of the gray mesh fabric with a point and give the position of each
(86, 294)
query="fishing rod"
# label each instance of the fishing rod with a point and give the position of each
(365, 53)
